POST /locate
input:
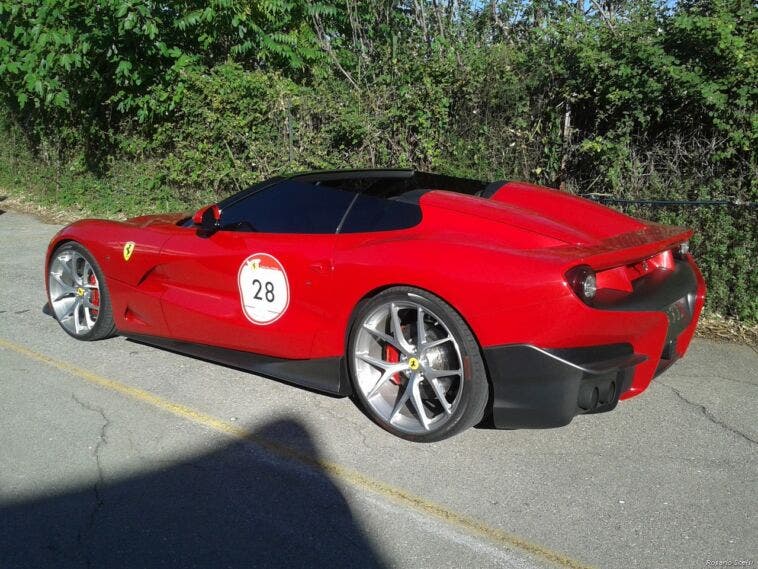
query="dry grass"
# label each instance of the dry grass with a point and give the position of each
(45, 213)
(717, 327)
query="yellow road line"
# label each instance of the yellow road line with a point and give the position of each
(339, 472)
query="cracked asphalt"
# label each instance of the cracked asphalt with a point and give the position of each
(116, 454)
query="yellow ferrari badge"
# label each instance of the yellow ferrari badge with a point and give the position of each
(128, 250)
(413, 363)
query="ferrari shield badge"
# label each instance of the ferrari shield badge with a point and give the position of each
(128, 250)
(264, 290)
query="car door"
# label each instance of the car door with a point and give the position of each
(259, 283)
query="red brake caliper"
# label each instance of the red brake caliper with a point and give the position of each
(392, 356)
(95, 295)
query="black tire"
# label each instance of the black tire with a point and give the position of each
(469, 409)
(104, 325)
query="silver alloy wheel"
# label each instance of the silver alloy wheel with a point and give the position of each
(74, 292)
(408, 366)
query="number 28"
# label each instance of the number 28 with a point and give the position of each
(267, 288)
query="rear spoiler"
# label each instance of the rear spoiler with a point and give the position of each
(626, 248)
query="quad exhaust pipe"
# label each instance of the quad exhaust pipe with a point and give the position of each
(595, 395)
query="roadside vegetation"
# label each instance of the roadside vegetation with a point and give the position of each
(119, 107)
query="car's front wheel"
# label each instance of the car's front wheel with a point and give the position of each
(416, 367)
(78, 294)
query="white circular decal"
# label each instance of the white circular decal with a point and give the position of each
(264, 290)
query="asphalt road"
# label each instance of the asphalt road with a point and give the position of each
(115, 454)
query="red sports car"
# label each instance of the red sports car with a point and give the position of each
(439, 303)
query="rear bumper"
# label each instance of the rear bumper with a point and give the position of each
(535, 387)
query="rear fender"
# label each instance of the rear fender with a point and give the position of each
(461, 275)
(591, 218)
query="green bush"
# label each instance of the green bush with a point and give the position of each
(230, 129)
(130, 188)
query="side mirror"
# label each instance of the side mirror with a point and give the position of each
(207, 218)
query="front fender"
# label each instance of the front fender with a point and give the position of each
(134, 298)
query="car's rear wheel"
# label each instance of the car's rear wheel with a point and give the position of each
(78, 294)
(415, 365)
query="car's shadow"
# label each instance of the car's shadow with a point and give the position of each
(235, 507)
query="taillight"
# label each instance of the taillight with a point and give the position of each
(583, 281)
